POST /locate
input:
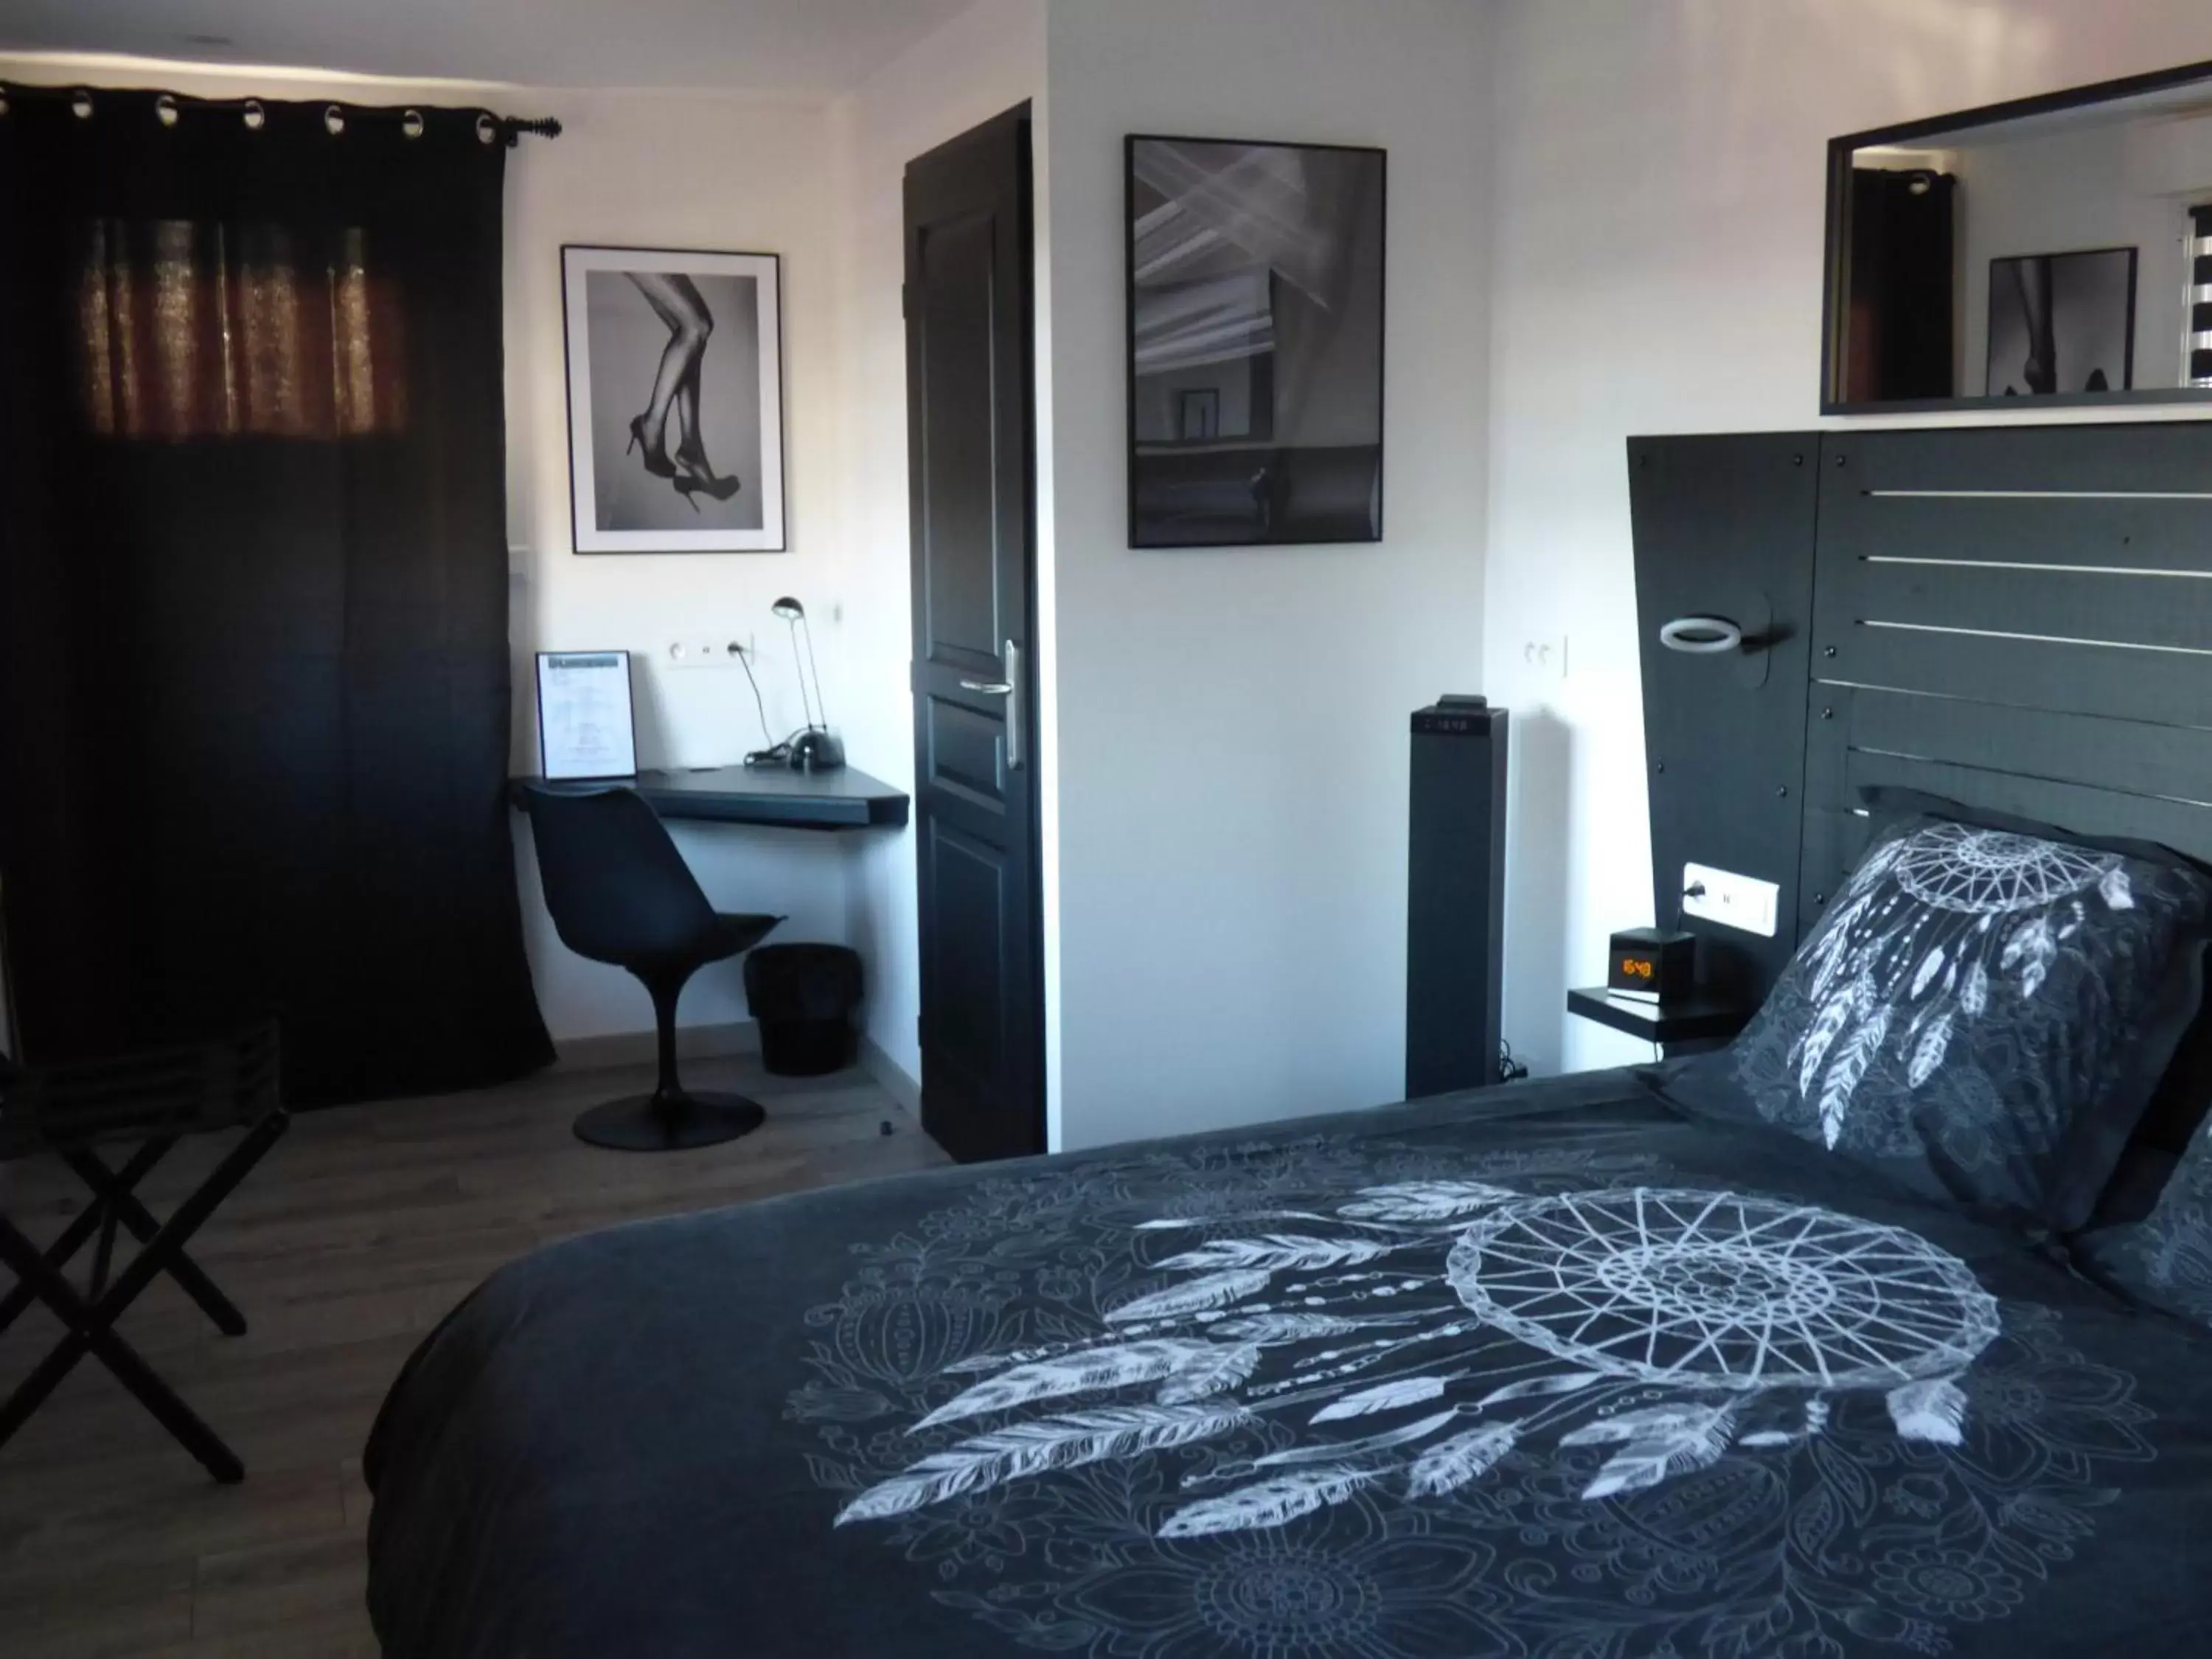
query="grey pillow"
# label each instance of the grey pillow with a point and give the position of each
(1982, 1014)
(2166, 1259)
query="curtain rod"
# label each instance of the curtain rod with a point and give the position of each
(168, 106)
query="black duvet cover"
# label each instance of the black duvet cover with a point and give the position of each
(1548, 1371)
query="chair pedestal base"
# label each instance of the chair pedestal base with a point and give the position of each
(668, 1123)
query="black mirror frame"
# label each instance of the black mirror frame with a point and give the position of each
(1836, 258)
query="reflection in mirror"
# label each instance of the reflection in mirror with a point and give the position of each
(2058, 249)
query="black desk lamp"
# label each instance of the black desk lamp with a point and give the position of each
(816, 749)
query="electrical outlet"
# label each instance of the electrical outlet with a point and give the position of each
(706, 651)
(1733, 900)
(1547, 655)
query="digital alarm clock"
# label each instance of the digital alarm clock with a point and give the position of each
(1650, 965)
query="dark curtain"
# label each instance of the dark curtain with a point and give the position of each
(1904, 295)
(253, 592)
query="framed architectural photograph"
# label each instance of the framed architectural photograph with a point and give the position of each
(1255, 342)
(675, 400)
(2063, 322)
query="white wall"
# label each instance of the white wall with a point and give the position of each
(1658, 205)
(982, 63)
(740, 173)
(746, 174)
(1231, 725)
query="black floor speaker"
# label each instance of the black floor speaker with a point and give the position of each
(1455, 897)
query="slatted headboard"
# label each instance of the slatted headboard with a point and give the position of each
(2016, 618)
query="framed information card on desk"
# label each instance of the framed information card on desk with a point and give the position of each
(585, 724)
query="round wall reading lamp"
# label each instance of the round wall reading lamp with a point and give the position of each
(1746, 640)
(1701, 636)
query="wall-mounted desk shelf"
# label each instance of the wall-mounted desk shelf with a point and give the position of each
(846, 799)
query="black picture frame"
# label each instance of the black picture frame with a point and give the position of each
(2005, 266)
(1835, 263)
(578, 262)
(546, 769)
(1191, 492)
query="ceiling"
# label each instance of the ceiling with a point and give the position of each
(781, 46)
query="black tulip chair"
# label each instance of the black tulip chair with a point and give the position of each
(619, 892)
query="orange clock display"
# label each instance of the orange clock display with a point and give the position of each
(1649, 964)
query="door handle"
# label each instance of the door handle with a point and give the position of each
(1010, 689)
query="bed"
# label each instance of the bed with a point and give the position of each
(1704, 1390)
(1579, 1369)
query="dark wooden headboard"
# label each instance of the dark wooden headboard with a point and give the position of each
(2015, 618)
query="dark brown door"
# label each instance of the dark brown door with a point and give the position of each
(971, 453)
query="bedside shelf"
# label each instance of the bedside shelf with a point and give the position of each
(1695, 1019)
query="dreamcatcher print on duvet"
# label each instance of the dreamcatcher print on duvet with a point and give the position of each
(1972, 997)
(1444, 1405)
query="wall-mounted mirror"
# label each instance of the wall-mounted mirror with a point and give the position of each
(2055, 250)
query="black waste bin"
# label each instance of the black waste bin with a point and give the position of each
(803, 997)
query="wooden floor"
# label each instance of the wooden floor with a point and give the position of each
(355, 1237)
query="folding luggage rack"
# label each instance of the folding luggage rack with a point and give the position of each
(146, 1102)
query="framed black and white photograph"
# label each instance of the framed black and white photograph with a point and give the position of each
(1256, 285)
(2062, 323)
(675, 400)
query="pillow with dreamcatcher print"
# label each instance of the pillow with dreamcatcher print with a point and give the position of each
(2164, 1259)
(1983, 1013)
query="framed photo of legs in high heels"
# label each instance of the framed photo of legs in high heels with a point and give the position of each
(675, 400)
